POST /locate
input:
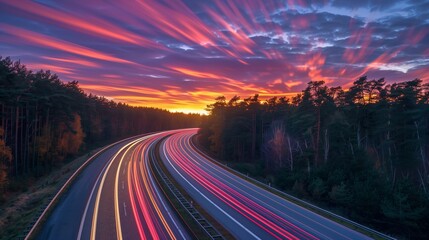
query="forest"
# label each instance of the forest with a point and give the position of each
(361, 152)
(45, 122)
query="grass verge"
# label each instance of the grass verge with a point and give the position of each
(21, 210)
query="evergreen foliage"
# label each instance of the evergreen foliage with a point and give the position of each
(363, 151)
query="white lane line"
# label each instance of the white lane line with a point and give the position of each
(116, 195)
(123, 185)
(224, 175)
(125, 209)
(208, 199)
(82, 221)
(97, 200)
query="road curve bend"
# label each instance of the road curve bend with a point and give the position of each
(244, 209)
(115, 197)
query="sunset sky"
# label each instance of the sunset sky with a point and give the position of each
(180, 55)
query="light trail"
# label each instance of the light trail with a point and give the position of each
(229, 196)
(150, 215)
(258, 211)
(119, 197)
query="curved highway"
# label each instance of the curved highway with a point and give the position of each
(115, 197)
(244, 209)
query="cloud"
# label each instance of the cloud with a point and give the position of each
(189, 52)
(371, 4)
(34, 38)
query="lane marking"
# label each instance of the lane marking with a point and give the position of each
(79, 236)
(208, 199)
(125, 209)
(117, 214)
(97, 200)
(223, 174)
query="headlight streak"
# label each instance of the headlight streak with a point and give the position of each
(265, 210)
(229, 196)
(206, 166)
(254, 213)
(262, 195)
(148, 210)
(208, 199)
(97, 200)
(239, 196)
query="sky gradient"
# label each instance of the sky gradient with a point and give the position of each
(180, 55)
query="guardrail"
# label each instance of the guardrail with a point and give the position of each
(302, 202)
(211, 231)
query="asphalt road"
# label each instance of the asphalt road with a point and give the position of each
(244, 209)
(115, 197)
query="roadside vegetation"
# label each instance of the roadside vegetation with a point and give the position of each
(360, 152)
(21, 210)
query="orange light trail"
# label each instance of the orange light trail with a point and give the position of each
(148, 209)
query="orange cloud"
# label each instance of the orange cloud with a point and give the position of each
(361, 38)
(240, 42)
(192, 101)
(290, 83)
(37, 38)
(229, 81)
(73, 61)
(127, 89)
(313, 66)
(90, 26)
(174, 19)
(53, 68)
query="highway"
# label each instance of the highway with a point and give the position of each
(115, 197)
(244, 209)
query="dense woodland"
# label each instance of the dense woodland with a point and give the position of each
(362, 152)
(45, 121)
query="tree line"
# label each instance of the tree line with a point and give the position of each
(44, 121)
(363, 151)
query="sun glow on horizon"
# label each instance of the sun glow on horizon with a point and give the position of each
(181, 55)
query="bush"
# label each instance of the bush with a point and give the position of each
(341, 195)
(318, 188)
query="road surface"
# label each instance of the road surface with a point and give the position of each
(244, 209)
(115, 197)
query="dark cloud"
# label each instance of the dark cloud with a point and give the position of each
(375, 5)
